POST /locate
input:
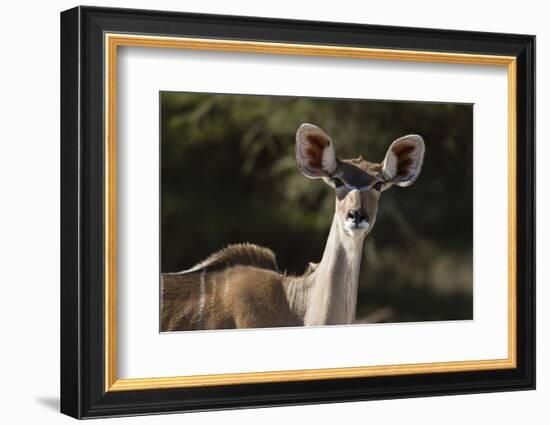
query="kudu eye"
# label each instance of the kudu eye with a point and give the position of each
(377, 186)
(337, 182)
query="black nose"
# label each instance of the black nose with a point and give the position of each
(357, 215)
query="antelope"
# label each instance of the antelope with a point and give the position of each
(241, 285)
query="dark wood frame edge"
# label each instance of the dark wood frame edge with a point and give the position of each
(82, 173)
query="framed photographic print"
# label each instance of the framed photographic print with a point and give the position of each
(261, 212)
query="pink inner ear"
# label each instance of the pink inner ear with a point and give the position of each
(403, 167)
(403, 149)
(313, 151)
(403, 153)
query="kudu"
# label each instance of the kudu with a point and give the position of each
(241, 287)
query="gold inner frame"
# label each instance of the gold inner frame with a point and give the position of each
(113, 41)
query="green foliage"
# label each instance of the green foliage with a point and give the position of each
(229, 175)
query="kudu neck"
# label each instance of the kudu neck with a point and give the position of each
(332, 287)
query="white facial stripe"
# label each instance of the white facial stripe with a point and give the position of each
(355, 188)
(355, 230)
(364, 225)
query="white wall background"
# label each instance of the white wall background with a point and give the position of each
(29, 213)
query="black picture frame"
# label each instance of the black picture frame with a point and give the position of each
(83, 392)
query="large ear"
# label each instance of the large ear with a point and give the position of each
(315, 152)
(403, 160)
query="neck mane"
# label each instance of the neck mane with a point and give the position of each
(327, 295)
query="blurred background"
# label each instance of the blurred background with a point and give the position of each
(229, 174)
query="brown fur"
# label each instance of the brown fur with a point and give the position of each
(235, 297)
(241, 289)
(244, 254)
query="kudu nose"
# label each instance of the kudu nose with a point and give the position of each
(357, 215)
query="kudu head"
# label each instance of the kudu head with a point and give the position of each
(357, 183)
